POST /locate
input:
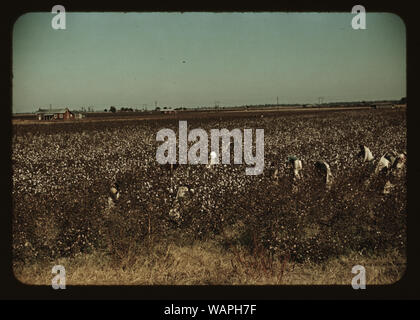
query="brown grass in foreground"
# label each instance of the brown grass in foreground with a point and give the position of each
(207, 263)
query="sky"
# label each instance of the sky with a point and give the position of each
(195, 59)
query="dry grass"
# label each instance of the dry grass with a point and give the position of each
(207, 263)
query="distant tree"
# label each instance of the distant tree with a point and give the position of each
(112, 109)
(157, 109)
(105, 110)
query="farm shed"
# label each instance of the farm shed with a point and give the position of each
(56, 114)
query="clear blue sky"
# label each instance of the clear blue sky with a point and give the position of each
(195, 59)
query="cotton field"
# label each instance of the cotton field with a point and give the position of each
(63, 174)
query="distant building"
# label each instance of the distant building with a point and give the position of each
(382, 105)
(57, 114)
(169, 111)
